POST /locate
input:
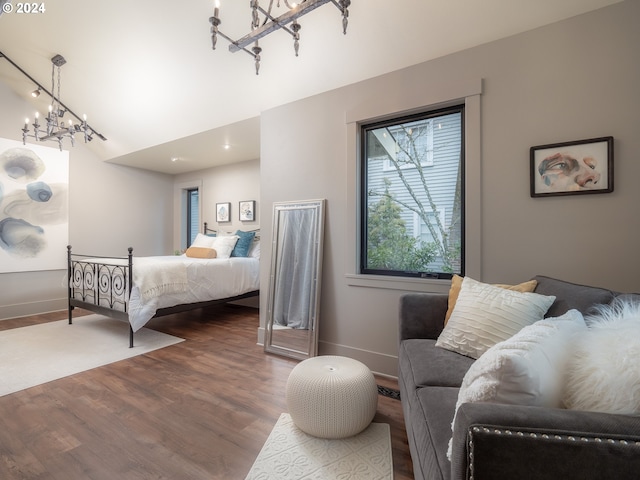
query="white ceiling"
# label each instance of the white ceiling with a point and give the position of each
(146, 76)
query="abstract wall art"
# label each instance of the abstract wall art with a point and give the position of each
(34, 207)
(247, 210)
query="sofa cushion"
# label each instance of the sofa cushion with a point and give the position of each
(571, 295)
(425, 365)
(485, 315)
(456, 284)
(431, 426)
(526, 369)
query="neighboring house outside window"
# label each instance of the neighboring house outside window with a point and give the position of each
(412, 206)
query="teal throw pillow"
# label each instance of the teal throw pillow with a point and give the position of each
(243, 244)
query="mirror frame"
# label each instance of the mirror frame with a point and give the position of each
(279, 210)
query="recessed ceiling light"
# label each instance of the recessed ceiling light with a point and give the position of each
(227, 146)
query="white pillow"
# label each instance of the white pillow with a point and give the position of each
(604, 372)
(203, 241)
(254, 250)
(224, 245)
(526, 369)
(485, 315)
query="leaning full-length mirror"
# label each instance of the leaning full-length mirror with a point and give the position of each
(294, 279)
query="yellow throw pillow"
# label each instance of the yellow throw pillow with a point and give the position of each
(200, 252)
(456, 283)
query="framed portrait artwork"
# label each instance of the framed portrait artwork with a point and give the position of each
(571, 168)
(247, 210)
(223, 212)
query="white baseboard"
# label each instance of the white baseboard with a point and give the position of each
(261, 335)
(32, 308)
(378, 363)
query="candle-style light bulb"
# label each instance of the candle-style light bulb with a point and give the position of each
(216, 9)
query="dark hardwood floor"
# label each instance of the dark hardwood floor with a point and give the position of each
(201, 409)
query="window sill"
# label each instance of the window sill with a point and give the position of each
(399, 283)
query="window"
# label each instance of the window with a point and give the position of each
(193, 218)
(412, 196)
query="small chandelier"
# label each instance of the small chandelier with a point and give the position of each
(56, 129)
(261, 27)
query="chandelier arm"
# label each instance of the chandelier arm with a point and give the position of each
(284, 19)
(233, 42)
(58, 135)
(343, 6)
(2, 55)
(268, 16)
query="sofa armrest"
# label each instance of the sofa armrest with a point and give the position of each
(422, 315)
(497, 442)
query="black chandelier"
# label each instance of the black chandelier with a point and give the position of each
(263, 23)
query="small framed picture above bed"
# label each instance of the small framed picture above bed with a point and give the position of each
(223, 212)
(247, 210)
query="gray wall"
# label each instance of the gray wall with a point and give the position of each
(110, 209)
(573, 80)
(227, 183)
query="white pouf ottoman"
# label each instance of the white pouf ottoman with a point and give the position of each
(331, 396)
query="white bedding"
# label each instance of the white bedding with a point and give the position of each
(207, 279)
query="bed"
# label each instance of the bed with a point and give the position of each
(137, 289)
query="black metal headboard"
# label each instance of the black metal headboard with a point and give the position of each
(208, 230)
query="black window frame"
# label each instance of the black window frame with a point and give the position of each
(364, 189)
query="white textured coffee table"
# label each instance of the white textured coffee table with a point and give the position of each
(331, 396)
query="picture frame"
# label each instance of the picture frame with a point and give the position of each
(223, 212)
(246, 210)
(572, 168)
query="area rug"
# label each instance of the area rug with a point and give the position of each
(41, 353)
(291, 454)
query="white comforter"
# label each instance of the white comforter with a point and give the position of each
(162, 279)
(208, 279)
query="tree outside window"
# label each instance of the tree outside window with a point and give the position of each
(412, 191)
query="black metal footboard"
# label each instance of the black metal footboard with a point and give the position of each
(101, 285)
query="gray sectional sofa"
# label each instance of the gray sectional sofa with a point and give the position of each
(495, 441)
